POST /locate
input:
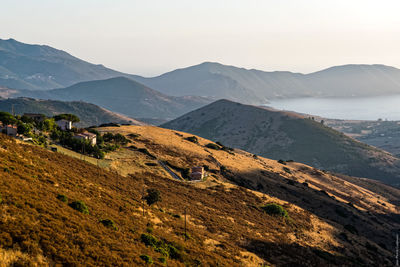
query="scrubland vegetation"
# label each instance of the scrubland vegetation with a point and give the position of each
(57, 209)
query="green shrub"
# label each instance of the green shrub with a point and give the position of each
(287, 170)
(109, 223)
(149, 240)
(147, 259)
(282, 162)
(79, 206)
(133, 135)
(192, 139)
(176, 216)
(275, 210)
(162, 259)
(213, 146)
(62, 198)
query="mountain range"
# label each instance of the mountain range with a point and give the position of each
(38, 67)
(288, 136)
(258, 87)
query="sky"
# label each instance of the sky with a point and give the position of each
(150, 37)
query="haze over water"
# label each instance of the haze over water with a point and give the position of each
(357, 108)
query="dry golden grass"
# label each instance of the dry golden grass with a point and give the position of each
(225, 221)
(17, 258)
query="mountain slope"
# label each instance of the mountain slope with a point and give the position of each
(38, 225)
(125, 96)
(38, 67)
(281, 135)
(257, 87)
(89, 114)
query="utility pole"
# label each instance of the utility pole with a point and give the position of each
(185, 225)
(12, 110)
(397, 249)
(143, 200)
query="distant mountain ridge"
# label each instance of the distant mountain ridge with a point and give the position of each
(89, 114)
(257, 87)
(287, 136)
(124, 96)
(40, 67)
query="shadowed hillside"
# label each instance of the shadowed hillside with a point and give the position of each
(41, 222)
(125, 96)
(257, 87)
(281, 135)
(89, 114)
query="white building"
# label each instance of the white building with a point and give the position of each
(10, 130)
(87, 136)
(64, 124)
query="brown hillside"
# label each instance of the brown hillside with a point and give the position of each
(226, 225)
(288, 136)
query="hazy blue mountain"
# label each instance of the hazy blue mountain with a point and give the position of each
(283, 135)
(124, 96)
(38, 67)
(89, 114)
(257, 87)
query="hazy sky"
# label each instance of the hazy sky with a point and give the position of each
(150, 37)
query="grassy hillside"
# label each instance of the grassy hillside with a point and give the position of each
(125, 96)
(37, 226)
(281, 135)
(89, 114)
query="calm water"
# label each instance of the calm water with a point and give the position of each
(362, 108)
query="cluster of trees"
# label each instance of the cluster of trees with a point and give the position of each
(66, 139)
(105, 143)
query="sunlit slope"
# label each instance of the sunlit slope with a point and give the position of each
(225, 222)
(287, 136)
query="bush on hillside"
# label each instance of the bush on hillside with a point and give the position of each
(62, 198)
(147, 259)
(275, 210)
(79, 206)
(281, 161)
(69, 117)
(287, 170)
(109, 223)
(213, 146)
(133, 135)
(167, 249)
(192, 139)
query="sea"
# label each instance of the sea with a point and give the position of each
(354, 108)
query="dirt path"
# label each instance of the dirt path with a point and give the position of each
(174, 175)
